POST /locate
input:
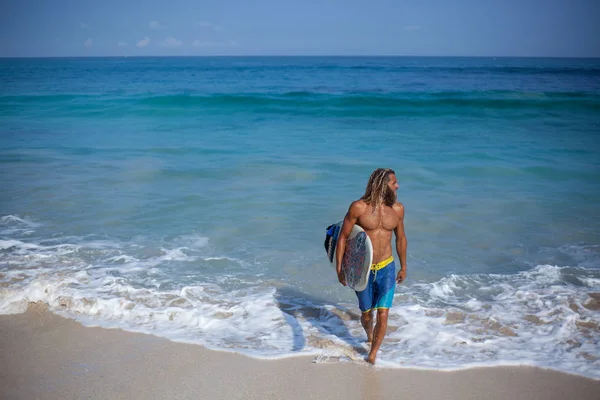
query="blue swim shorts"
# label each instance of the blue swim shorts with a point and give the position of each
(379, 293)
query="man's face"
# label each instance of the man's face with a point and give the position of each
(393, 183)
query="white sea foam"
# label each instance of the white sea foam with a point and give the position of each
(591, 282)
(17, 244)
(535, 317)
(195, 241)
(178, 254)
(12, 224)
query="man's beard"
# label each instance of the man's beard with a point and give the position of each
(390, 196)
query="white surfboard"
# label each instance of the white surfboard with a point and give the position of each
(358, 255)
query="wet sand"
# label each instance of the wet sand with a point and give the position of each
(44, 356)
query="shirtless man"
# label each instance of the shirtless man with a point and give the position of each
(378, 213)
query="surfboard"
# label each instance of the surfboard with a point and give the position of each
(358, 255)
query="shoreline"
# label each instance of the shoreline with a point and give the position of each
(47, 356)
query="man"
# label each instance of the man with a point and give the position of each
(379, 214)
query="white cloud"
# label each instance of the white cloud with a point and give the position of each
(204, 43)
(156, 25)
(122, 44)
(144, 42)
(412, 27)
(88, 43)
(209, 25)
(171, 42)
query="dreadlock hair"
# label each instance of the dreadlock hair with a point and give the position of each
(377, 191)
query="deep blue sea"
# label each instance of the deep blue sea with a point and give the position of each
(188, 198)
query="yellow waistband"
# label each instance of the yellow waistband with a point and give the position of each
(382, 264)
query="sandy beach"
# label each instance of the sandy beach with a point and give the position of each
(45, 356)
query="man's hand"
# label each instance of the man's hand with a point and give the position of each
(342, 278)
(401, 275)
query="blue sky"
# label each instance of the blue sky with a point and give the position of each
(555, 28)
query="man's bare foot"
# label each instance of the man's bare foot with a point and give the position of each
(371, 359)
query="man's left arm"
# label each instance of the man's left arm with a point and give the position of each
(401, 242)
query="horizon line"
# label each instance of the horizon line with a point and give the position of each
(291, 56)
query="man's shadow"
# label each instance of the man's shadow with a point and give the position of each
(327, 317)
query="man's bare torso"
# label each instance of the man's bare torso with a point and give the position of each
(379, 225)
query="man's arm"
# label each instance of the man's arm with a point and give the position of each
(401, 242)
(349, 221)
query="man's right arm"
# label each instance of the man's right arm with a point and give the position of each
(349, 221)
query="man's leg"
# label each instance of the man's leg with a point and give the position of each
(379, 333)
(384, 288)
(366, 319)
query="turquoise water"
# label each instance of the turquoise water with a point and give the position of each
(188, 197)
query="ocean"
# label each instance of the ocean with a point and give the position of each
(187, 197)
